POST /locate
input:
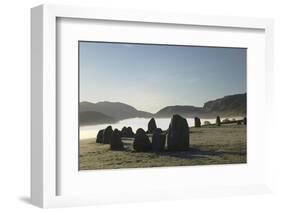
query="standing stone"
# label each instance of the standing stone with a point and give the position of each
(140, 130)
(100, 137)
(151, 125)
(178, 134)
(130, 132)
(197, 122)
(245, 120)
(116, 142)
(141, 142)
(124, 132)
(158, 140)
(158, 130)
(107, 134)
(218, 121)
(127, 132)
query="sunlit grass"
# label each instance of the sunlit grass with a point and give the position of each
(209, 145)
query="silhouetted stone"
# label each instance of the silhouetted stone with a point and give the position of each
(141, 141)
(130, 132)
(116, 142)
(239, 122)
(100, 137)
(158, 130)
(124, 132)
(151, 125)
(140, 130)
(245, 120)
(123, 129)
(197, 122)
(158, 140)
(107, 134)
(178, 134)
(218, 121)
(127, 132)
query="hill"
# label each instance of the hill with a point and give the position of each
(110, 112)
(115, 110)
(232, 105)
(186, 111)
(92, 118)
(228, 105)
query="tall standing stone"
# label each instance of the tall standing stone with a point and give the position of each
(178, 134)
(158, 140)
(151, 125)
(218, 121)
(107, 134)
(100, 137)
(116, 142)
(197, 122)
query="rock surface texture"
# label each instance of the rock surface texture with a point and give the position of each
(178, 134)
(141, 142)
(107, 134)
(116, 142)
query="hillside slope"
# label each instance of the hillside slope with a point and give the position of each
(232, 105)
(92, 118)
(116, 110)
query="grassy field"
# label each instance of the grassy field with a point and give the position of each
(209, 145)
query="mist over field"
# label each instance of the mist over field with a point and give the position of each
(91, 131)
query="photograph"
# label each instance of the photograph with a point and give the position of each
(147, 105)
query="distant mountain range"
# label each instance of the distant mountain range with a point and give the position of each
(111, 112)
(185, 111)
(108, 111)
(232, 105)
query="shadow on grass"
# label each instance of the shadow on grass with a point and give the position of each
(197, 153)
(193, 153)
(196, 132)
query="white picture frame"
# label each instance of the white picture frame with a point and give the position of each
(45, 168)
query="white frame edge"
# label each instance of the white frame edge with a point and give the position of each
(43, 81)
(43, 106)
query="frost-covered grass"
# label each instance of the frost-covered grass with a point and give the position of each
(208, 145)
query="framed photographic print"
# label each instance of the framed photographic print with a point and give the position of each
(129, 106)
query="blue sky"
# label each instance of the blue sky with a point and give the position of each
(150, 77)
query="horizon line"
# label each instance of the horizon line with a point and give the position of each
(164, 106)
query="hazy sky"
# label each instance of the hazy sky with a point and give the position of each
(150, 77)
